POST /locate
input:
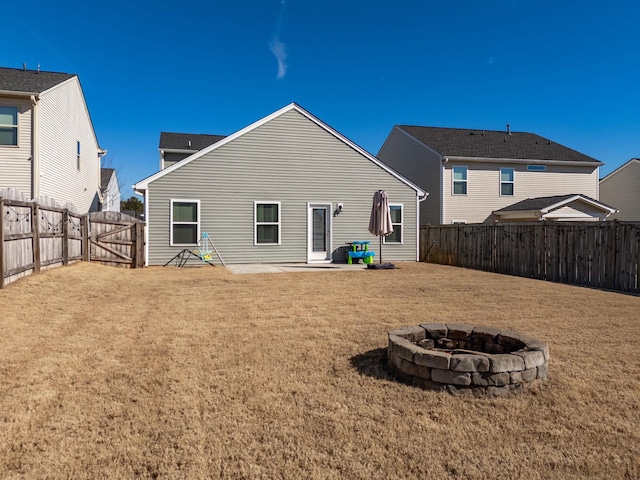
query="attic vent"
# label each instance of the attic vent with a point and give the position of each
(189, 143)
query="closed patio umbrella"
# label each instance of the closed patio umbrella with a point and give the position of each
(380, 220)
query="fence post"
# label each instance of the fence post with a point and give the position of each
(1, 242)
(35, 232)
(85, 238)
(65, 237)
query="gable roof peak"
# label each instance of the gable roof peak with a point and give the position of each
(21, 80)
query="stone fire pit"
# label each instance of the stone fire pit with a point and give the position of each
(466, 359)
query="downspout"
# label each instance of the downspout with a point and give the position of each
(146, 227)
(35, 147)
(419, 200)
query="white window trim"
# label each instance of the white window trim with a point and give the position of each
(16, 126)
(512, 182)
(401, 242)
(453, 180)
(183, 200)
(255, 221)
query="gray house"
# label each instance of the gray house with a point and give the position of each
(287, 188)
(476, 176)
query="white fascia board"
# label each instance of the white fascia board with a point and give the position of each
(13, 93)
(524, 161)
(177, 150)
(619, 169)
(143, 185)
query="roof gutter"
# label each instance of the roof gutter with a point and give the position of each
(14, 93)
(524, 161)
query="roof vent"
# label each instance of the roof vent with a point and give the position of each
(38, 68)
(508, 129)
(189, 143)
(24, 67)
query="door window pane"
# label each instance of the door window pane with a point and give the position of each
(319, 229)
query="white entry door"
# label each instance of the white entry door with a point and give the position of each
(319, 232)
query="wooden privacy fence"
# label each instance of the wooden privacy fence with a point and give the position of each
(602, 255)
(35, 237)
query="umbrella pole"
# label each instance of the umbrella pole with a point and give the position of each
(380, 261)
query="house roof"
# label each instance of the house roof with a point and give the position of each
(459, 142)
(30, 81)
(187, 141)
(544, 204)
(143, 184)
(105, 177)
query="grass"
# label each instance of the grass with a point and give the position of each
(199, 373)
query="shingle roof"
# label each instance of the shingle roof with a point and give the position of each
(541, 203)
(459, 142)
(105, 176)
(180, 141)
(32, 81)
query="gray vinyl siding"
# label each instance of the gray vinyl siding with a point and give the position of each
(414, 161)
(171, 157)
(64, 120)
(621, 190)
(289, 159)
(15, 162)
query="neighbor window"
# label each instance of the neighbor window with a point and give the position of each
(267, 223)
(396, 222)
(537, 168)
(185, 222)
(9, 126)
(459, 180)
(506, 181)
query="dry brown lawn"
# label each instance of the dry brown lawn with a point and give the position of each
(199, 373)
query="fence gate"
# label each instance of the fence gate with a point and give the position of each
(116, 239)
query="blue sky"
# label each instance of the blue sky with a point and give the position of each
(567, 70)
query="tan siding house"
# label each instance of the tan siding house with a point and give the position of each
(287, 188)
(52, 148)
(621, 188)
(472, 173)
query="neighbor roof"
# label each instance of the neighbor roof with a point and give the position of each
(459, 142)
(180, 141)
(30, 81)
(542, 203)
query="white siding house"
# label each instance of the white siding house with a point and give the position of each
(48, 146)
(470, 174)
(621, 188)
(287, 188)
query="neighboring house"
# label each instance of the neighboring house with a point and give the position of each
(178, 146)
(110, 190)
(287, 188)
(622, 189)
(561, 208)
(47, 143)
(470, 174)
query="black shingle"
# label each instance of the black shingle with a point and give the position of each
(180, 141)
(31, 81)
(539, 203)
(458, 142)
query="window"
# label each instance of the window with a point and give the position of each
(459, 180)
(506, 181)
(185, 222)
(78, 154)
(9, 126)
(267, 223)
(396, 222)
(537, 168)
